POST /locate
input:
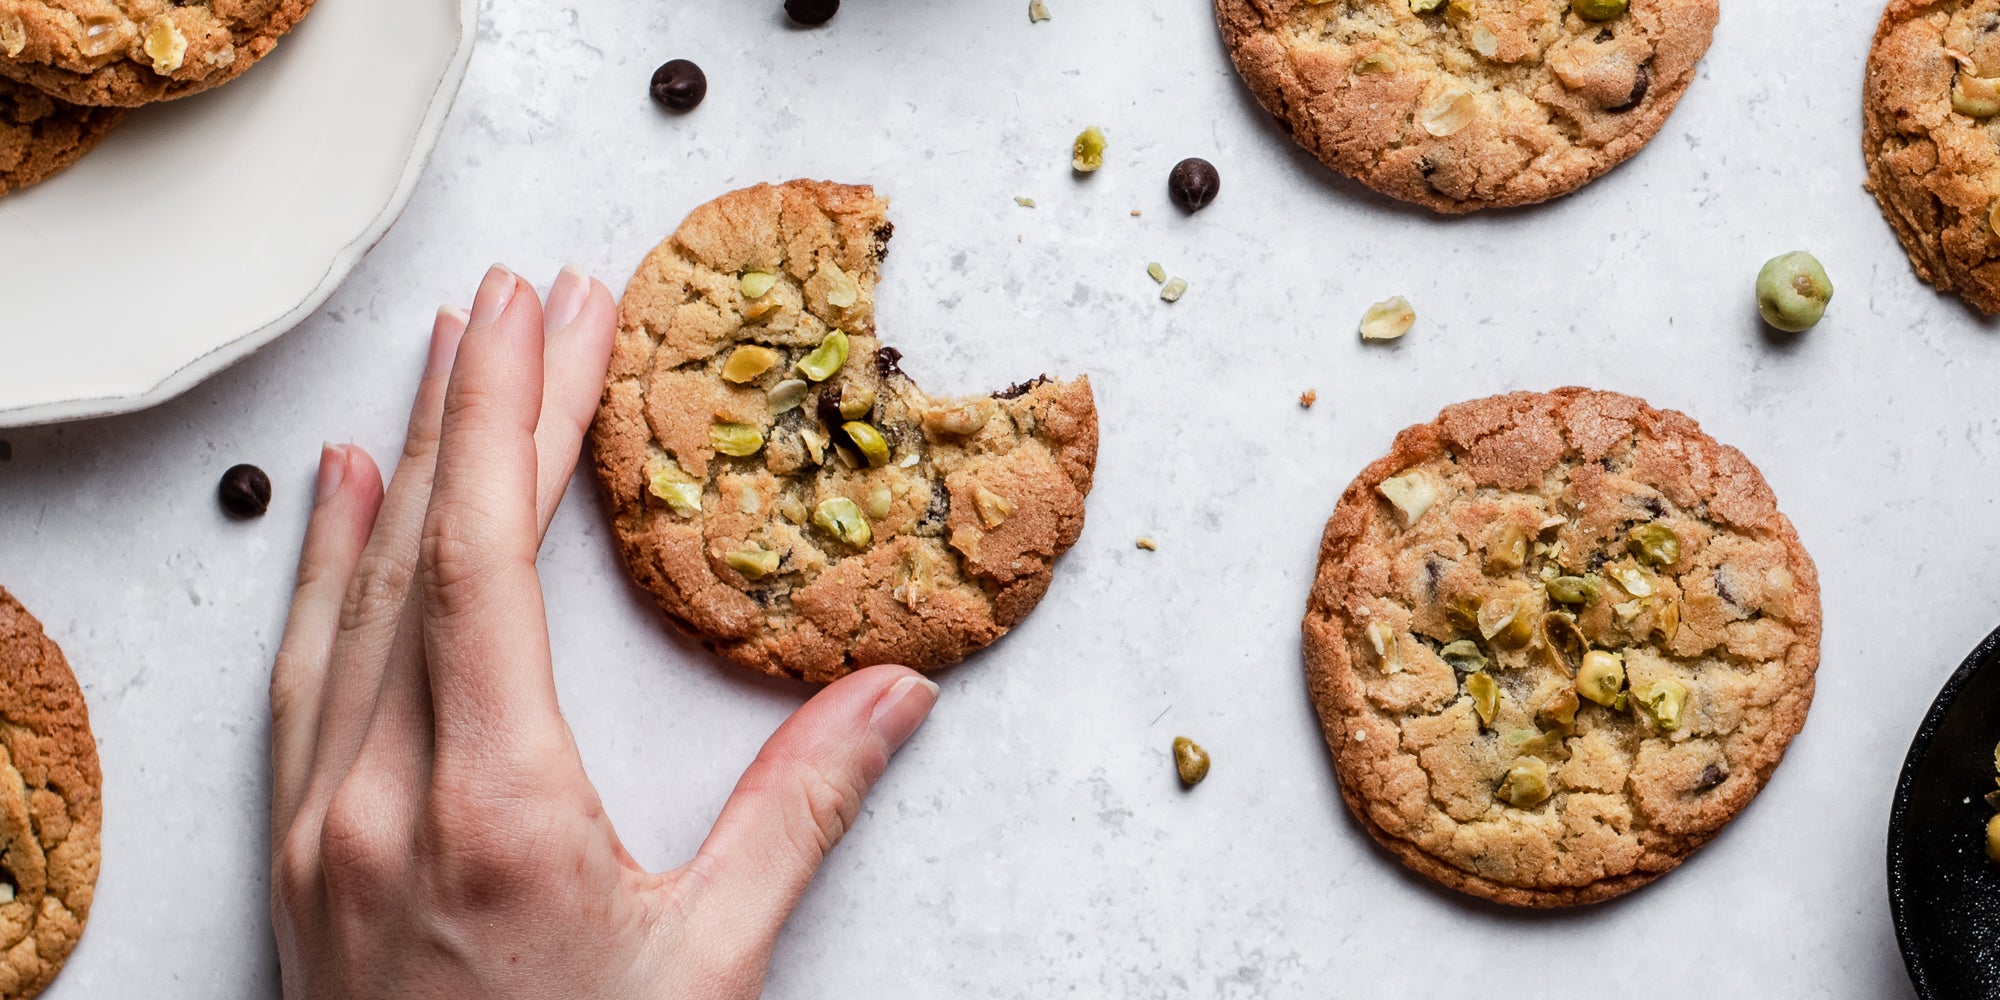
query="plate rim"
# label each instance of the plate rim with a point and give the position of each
(1899, 809)
(199, 369)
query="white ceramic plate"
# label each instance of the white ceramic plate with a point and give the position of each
(203, 228)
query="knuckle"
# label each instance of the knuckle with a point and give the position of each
(359, 854)
(486, 850)
(288, 676)
(295, 874)
(376, 593)
(820, 805)
(457, 554)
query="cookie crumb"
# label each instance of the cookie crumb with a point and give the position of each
(1135, 213)
(1308, 398)
(1037, 11)
(1146, 542)
(1024, 202)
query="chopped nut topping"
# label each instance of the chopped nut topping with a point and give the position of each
(1037, 11)
(1156, 272)
(166, 47)
(1146, 542)
(754, 284)
(739, 440)
(841, 290)
(746, 363)
(1382, 637)
(1024, 202)
(994, 509)
(1174, 289)
(1087, 153)
(1411, 493)
(754, 563)
(1450, 113)
(1388, 319)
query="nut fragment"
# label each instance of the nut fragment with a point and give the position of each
(681, 493)
(856, 402)
(754, 563)
(787, 395)
(1382, 638)
(1599, 10)
(166, 47)
(841, 289)
(13, 35)
(1037, 11)
(1633, 581)
(1507, 549)
(1190, 761)
(1146, 542)
(1173, 289)
(963, 420)
(873, 446)
(1463, 655)
(1087, 153)
(1411, 493)
(1375, 62)
(1972, 95)
(826, 358)
(1559, 712)
(841, 518)
(1601, 678)
(1526, 784)
(1156, 272)
(1563, 642)
(1509, 624)
(747, 362)
(879, 500)
(1654, 544)
(1793, 291)
(1572, 590)
(1661, 703)
(1024, 202)
(993, 509)
(1485, 692)
(740, 440)
(102, 34)
(754, 284)
(1993, 839)
(1388, 319)
(1425, 6)
(1450, 112)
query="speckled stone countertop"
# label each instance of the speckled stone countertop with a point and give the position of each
(1032, 840)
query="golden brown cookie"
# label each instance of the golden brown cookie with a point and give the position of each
(1469, 104)
(41, 136)
(1928, 133)
(124, 53)
(778, 483)
(1557, 641)
(50, 812)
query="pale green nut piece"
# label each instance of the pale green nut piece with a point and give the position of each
(755, 283)
(841, 518)
(873, 446)
(1993, 840)
(1654, 544)
(1572, 590)
(1485, 692)
(1087, 153)
(1662, 701)
(1425, 6)
(1599, 10)
(680, 492)
(1464, 656)
(754, 563)
(1601, 678)
(825, 359)
(1792, 291)
(1526, 784)
(739, 440)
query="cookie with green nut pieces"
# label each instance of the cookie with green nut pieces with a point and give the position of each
(51, 814)
(125, 53)
(1557, 641)
(41, 136)
(1460, 105)
(784, 490)
(1930, 106)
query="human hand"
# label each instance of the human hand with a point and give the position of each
(433, 832)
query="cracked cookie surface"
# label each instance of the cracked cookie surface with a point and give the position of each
(1557, 641)
(1478, 104)
(41, 136)
(125, 53)
(784, 490)
(50, 811)
(1928, 133)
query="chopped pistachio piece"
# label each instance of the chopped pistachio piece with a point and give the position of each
(1485, 692)
(1793, 291)
(1382, 638)
(787, 395)
(1559, 712)
(1087, 153)
(747, 362)
(1510, 625)
(878, 501)
(1388, 319)
(841, 518)
(1667, 621)
(1024, 202)
(1411, 493)
(1146, 542)
(826, 358)
(1654, 544)
(1661, 702)
(1975, 96)
(1572, 590)
(815, 443)
(1156, 272)
(1450, 113)
(1376, 62)
(1464, 656)
(1601, 678)
(841, 290)
(873, 446)
(1564, 643)
(993, 509)
(754, 563)
(1425, 6)
(1173, 289)
(740, 440)
(1599, 10)
(856, 402)
(1526, 784)
(1037, 11)
(755, 283)
(1507, 551)
(1633, 581)
(677, 489)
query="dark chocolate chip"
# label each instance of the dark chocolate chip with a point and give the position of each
(1711, 776)
(811, 12)
(1640, 84)
(940, 508)
(882, 236)
(828, 410)
(1019, 389)
(888, 361)
(245, 491)
(1193, 183)
(679, 85)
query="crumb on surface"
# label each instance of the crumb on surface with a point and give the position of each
(1146, 542)
(1024, 202)
(1308, 398)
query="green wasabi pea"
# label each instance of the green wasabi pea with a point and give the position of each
(1792, 291)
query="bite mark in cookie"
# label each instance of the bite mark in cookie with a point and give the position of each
(1557, 641)
(784, 490)
(1468, 104)
(1930, 107)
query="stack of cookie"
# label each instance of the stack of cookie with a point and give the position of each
(68, 68)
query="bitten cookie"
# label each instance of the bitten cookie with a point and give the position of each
(1929, 108)
(785, 492)
(125, 53)
(1557, 641)
(50, 813)
(1468, 104)
(41, 136)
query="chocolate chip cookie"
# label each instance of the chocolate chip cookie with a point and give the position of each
(784, 490)
(1929, 107)
(50, 812)
(1460, 105)
(1557, 641)
(125, 53)
(41, 136)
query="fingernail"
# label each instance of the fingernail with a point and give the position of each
(566, 299)
(901, 709)
(445, 334)
(494, 293)
(332, 471)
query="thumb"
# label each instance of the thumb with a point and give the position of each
(794, 804)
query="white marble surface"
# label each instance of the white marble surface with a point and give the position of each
(1031, 841)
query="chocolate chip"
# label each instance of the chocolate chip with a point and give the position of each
(1019, 389)
(1640, 84)
(1193, 183)
(940, 509)
(828, 410)
(882, 235)
(679, 85)
(1711, 776)
(1653, 506)
(888, 361)
(245, 491)
(811, 12)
